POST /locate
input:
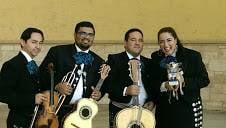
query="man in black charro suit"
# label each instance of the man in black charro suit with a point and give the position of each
(120, 85)
(64, 58)
(19, 80)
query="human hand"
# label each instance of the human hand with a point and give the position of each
(96, 94)
(104, 70)
(39, 98)
(180, 78)
(149, 105)
(64, 88)
(171, 87)
(132, 90)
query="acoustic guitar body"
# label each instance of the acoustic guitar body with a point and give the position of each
(82, 117)
(127, 118)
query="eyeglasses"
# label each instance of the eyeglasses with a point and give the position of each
(84, 34)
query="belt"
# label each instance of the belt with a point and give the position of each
(120, 105)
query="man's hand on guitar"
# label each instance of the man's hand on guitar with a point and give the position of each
(96, 94)
(63, 88)
(104, 70)
(132, 90)
(149, 105)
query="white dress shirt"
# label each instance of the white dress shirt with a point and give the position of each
(26, 56)
(77, 95)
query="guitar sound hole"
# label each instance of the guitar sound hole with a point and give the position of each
(85, 112)
(135, 126)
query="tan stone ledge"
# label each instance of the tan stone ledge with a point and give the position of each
(196, 42)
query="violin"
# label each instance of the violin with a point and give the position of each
(47, 117)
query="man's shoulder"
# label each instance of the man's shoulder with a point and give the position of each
(96, 56)
(145, 58)
(18, 58)
(61, 49)
(15, 61)
(63, 46)
(117, 55)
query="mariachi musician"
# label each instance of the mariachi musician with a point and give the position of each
(78, 59)
(121, 88)
(19, 80)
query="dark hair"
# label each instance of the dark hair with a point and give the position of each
(84, 24)
(27, 33)
(172, 32)
(130, 31)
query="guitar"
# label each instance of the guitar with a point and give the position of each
(135, 116)
(86, 108)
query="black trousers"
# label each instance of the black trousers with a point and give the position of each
(18, 120)
(179, 114)
(63, 112)
(113, 110)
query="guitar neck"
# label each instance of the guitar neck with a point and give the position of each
(99, 84)
(135, 83)
(52, 89)
(135, 99)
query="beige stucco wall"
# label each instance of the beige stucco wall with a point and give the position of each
(194, 19)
